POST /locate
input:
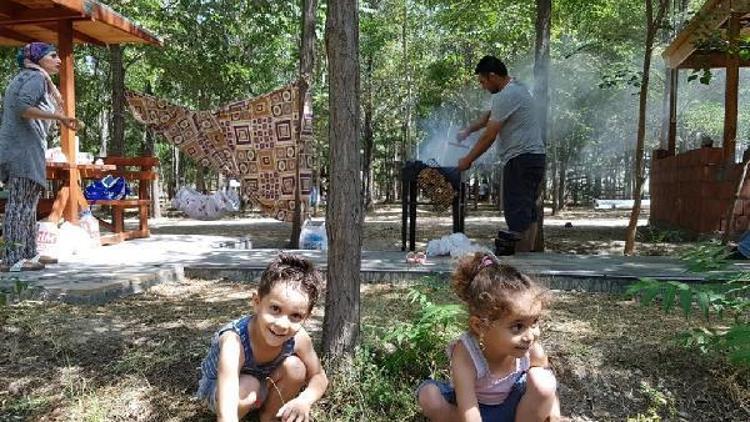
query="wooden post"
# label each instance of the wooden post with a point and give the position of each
(730, 96)
(672, 128)
(67, 89)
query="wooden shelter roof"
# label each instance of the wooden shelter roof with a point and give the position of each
(702, 42)
(24, 21)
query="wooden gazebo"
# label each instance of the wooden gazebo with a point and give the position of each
(65, 23)
(693, 190)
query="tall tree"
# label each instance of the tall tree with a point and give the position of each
(653, 23)
(344, 211)
(306, 68)
(117, 146)
(541, 97)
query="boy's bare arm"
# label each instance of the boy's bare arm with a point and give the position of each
(228, 380)
(464, 374)
(317, 382)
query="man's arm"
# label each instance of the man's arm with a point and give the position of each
(317, 381)
(489, 135)
(228, 380)
(473, 126)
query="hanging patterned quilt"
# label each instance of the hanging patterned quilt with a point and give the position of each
(257, 141)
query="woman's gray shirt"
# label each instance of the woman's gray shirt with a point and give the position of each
(23, 142)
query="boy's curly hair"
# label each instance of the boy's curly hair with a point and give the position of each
(295, 270)
(488, 288)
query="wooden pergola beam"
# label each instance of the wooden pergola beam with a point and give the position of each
(710, 61)
(732, 88)
(712, 16)
(9, 33)
(25, 16)
(67, 90)
(77, 35)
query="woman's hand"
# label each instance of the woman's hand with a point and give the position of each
(70, 122)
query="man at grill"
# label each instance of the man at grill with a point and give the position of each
(511, 121)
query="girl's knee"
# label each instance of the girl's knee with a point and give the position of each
(541, 382)
(293, 369)
(429, 398)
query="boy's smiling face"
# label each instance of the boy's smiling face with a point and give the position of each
(281, 313)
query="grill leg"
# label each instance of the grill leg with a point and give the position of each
(412, 213)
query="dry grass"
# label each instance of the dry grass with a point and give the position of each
(137, 359)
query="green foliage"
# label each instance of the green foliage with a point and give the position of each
(704, 257)
(728, 301)
(423, 339)
(392, 361)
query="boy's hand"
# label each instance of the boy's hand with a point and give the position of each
(297, 410)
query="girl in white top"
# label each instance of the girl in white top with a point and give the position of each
(498, 368)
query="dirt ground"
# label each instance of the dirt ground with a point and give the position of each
(592, 232)
(137, 359)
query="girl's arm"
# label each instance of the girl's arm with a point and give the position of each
(317, 382)
(228, 380)
(464, 376)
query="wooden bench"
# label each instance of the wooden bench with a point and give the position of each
(132, 169)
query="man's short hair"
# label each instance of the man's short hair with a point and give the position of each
(491, 64)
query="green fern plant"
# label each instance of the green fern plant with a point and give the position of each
(420, 342)
(730, 300)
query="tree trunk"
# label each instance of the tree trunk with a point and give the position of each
(104, 120)
(344, 213)
(541, 97)
(117, 146)
(652, 25)
(367, 135)
(561, 185)
(306, 68)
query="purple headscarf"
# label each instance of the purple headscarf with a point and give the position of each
(33, 52)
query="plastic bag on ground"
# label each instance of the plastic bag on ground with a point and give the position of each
(91, 225)
(313, 236)
(73, 240)
(206, 207)
(47, 235)
(455, 245)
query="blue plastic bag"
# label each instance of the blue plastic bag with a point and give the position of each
(108, 188)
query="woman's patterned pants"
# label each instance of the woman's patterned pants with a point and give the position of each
(19, 227)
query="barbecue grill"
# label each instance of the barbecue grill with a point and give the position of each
(441, 192)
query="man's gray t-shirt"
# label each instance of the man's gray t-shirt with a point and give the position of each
(520, 134)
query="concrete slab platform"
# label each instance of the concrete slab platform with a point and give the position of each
(131, 267)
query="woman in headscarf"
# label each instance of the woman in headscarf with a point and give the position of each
(32, 103)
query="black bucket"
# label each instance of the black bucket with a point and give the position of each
(505, 243)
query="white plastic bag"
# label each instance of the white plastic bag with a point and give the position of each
(91, 225)
(73, 240)
(47, 234)
(205, 207)
(455, 245)
(313, 236)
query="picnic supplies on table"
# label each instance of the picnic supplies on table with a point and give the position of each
(106, 189)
